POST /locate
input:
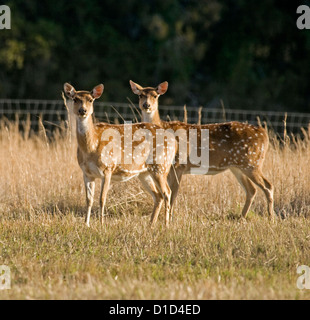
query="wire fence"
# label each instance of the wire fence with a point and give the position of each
(52, 112)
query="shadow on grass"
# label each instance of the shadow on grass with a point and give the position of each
(63, 208)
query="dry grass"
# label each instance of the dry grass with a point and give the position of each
(209, 253)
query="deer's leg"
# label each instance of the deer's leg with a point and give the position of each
(149, 185)
(257, 177)
(248, 187)
(162, 184)
(174, 181)
(90, 190)
(105, 185)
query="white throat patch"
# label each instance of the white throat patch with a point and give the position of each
(83, 125)
(148, 116)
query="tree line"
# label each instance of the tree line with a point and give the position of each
(248, 53)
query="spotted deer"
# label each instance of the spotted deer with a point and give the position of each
(236, 146)
(98, 160)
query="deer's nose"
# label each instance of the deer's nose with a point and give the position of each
(146, 105)
(82, 111)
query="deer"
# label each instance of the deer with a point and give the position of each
(98, 160)
(235, 146)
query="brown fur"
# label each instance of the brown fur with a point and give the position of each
(234, 145)
(94, 165)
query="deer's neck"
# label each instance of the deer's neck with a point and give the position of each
(86, 134)
(152, 117)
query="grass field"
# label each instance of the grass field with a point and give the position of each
(208, 253)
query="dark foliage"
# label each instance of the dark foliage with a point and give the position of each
(248, 53)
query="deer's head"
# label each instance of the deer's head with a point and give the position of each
(83, 100)
(148, 97)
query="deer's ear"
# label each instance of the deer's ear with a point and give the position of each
(136, 89)
(162, 88)
(69, 90)
(97, 91)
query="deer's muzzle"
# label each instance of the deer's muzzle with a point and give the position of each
(82, 112)
(146, 106)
